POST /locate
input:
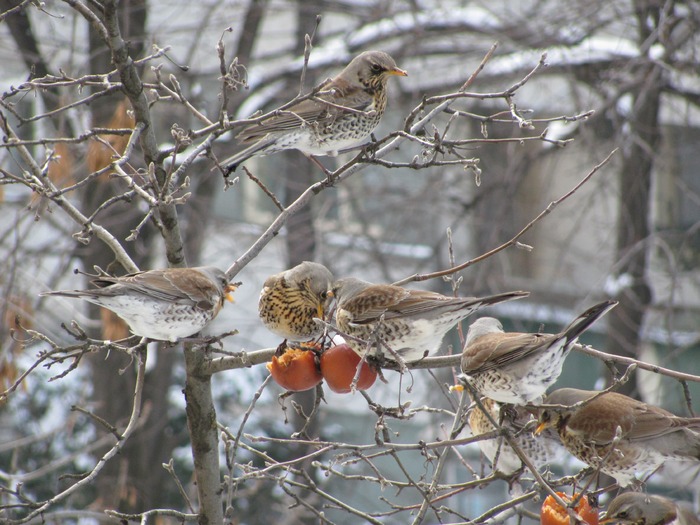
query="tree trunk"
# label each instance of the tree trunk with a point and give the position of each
(134, 481)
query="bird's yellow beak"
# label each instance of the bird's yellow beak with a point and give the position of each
(540, 428)
(230, 288)
(397, 72)
(329, 297)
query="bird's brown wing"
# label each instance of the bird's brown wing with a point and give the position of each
(499, 349)
(598, 420)
(192, 285)
(168, 285)
(652, 422)
(311, 111)
(370, 304)
(419, 302)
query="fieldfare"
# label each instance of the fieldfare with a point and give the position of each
(290, 301)
(342, 115)
(398, 321)
(518, 367)
(637, 508)
(164, 305)
(588, 422)
(540, 450)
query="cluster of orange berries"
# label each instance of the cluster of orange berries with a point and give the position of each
(299, 369)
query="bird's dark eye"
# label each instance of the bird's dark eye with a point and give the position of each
(324, 295)
(376, 68)
(621, 515)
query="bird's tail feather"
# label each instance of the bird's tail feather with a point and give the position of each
(231, 163)
(586, 319)
(64, 293)
(502, 297)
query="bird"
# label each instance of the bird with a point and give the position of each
(163, 305)
(588, 421)
(515, 367)
(290, 300)
(401, 322)
(637, 508)
(342, 115)
(540, 450)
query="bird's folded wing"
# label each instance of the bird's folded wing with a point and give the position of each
(653, 422)
(370, 304)
(496, 350)
(637, 420)
(310, 111)
(159, 285)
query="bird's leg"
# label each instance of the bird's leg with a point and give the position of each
(376, 364)
(514, 480)
(313, 159)
(281, 348)
(371, 147)
(507, 411)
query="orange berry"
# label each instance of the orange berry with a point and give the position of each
(554, 514)
(295, 370)
(339, 366)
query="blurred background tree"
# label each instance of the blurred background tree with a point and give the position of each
(619, 74)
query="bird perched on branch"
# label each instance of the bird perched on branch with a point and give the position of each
(515, 367)
(617, 434)
(290, 300)
(400, 322)
(637, 508)
(164, 305)
(341, 115)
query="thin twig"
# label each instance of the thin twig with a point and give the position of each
(552, 205)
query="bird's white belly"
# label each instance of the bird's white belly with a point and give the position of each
(161, 321)
(311, 146)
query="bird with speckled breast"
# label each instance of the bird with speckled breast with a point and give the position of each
(342, 115)
(290, 300)
(165, 304)
(540, 450)
(619, 435)
(518, 367)
(397, 321)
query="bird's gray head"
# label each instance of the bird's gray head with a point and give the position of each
(640, 509)
(371, 67)
(568, 396)
(348, 287)
(318, 277)
(217, 276)
(483, 326)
